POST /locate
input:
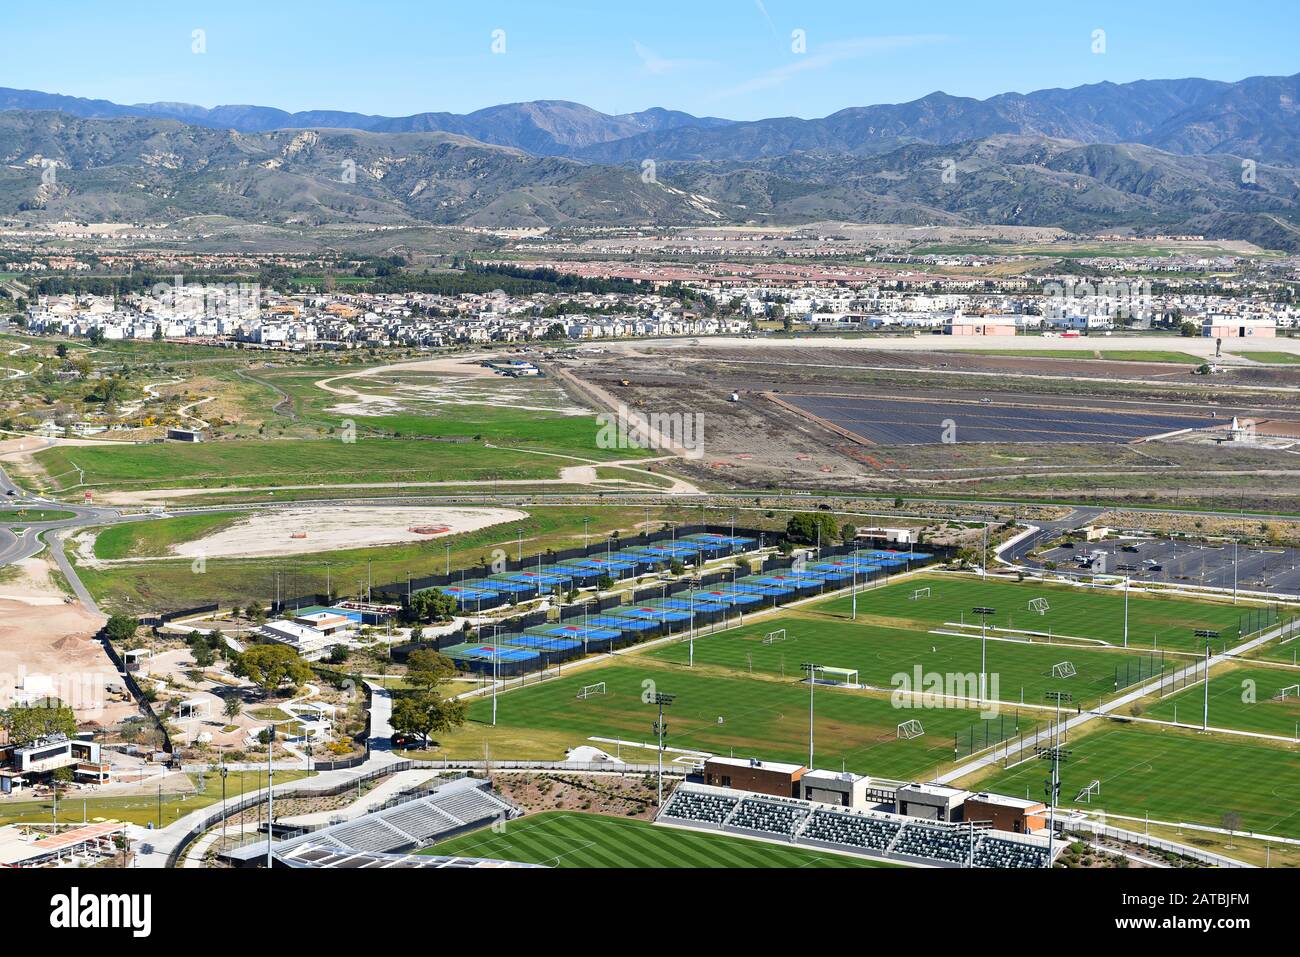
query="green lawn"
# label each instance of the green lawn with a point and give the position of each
(31, 516)
(1018, 671)
(1154, 622)
(290, 462)
(723, 714)
(155, 538)
(1140, 355)
(1175, 776)
(1240, 698)
(562, 839)
(1279, 358)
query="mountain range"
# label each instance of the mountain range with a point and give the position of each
(1195, 155)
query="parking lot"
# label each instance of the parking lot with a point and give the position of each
(1275, 570)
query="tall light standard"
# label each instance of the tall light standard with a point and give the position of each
(855, 592)
(984, 611)
(1056, 755)
(1126, 611)
(1209, 634)
(811, 670)
(661, 730)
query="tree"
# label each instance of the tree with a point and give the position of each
(427, 668)
(24, 725)
(426, 713)
(432, 606)
(120, 628)
(269, 666)
(848, 532)
(233, 707)
(804, 527)
(604, 582)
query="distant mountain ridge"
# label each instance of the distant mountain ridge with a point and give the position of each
(1254, 118)
(542, 127)
(1167, 155)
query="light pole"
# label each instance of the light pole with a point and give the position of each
(1056, 755)
(811, 670)
(1125, 611)
(224, 771)
(661, 730)
(984, 611)
(1208, 634)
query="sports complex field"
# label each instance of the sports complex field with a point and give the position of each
(1245, 699)
(1020, 672)
(721, 714)
(1096, 615)
(745, 693)
(1174, 776)
(560, 839)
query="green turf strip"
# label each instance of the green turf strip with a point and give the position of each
(566, 839)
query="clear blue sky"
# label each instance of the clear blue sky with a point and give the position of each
(722, 57)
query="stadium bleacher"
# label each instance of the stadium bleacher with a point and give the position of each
(687, 805)
(761, 814)
(874, 832)
(851, 830)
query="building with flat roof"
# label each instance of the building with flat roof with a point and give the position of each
(933, 802)
(751, 774)
(1235, 327)
(1000, 325)
(1005, 813)
(840, 788)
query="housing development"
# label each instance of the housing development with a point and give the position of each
(539, 489)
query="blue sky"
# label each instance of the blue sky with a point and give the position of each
(729, 58)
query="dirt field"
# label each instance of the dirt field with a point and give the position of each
(42, 636)
(329, 529)
(759, 441)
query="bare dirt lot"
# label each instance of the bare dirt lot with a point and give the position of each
(329, 529)
(42, 638)
(758, 439)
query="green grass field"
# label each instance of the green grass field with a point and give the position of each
(1154, 623)
(1018, 671)
(723, 713)
(1241, 698)
(1174, 776)
(561, 839)
(290, 462)
(1278, 358)
(155, 538)
(1141, 355)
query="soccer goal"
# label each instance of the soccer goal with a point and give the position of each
(1039, 605)
(590, 691)
(1086, 795)
(772, 637)
(1290, 691)
(910, 729)
(1064, 669)
(837, 677)
(920, 593)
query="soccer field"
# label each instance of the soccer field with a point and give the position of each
(1018, 672)
(1174, 776)
(1241, 698)
(1154, 623)
(726, 714)
(561, 839)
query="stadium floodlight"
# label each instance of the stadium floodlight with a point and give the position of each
(984, 611)
(1056, 755)
(661, 729)
(812, 670)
